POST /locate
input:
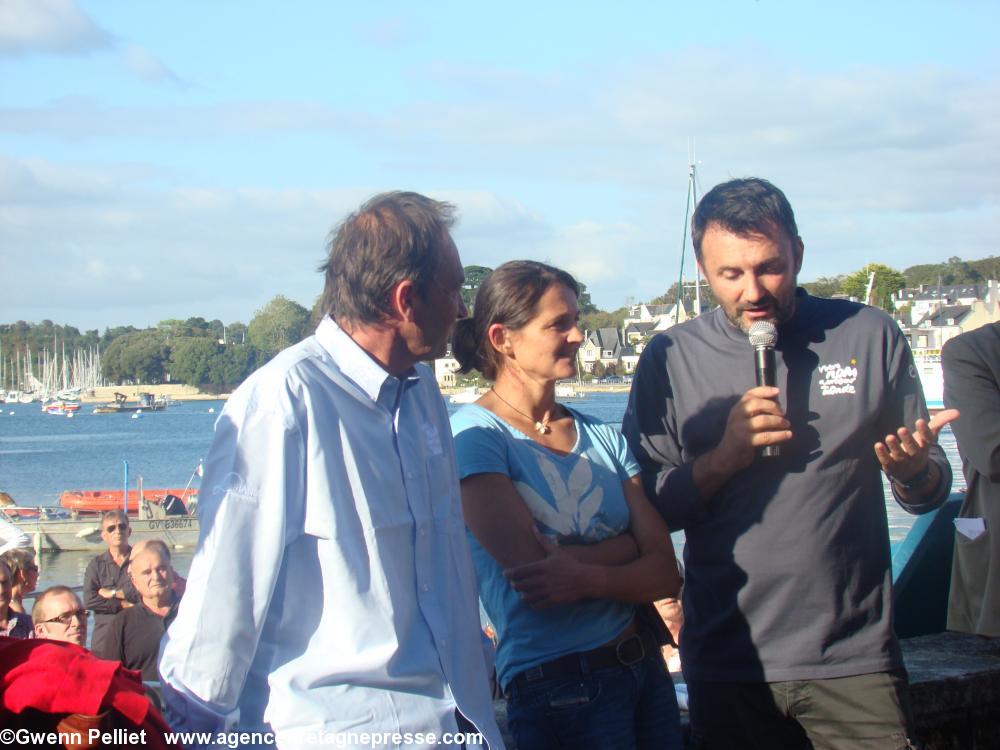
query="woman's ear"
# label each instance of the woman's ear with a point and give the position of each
(499, 338)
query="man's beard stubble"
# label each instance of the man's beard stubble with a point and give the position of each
(780, 312)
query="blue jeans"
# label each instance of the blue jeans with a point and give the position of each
(619, 708)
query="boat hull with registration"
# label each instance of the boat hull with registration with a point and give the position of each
(59, 530)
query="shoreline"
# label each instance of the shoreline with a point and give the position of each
(179, 392)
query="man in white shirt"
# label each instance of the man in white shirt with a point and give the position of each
(332, 598)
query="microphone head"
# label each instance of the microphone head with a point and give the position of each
(763, 333)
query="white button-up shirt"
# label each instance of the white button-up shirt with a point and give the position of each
(332, 591)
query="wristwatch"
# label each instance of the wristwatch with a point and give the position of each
(114, 593)
(915, 481)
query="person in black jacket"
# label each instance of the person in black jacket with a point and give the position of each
(971, 364)
(106, 586)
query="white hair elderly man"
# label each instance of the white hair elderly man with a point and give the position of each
(135, 633)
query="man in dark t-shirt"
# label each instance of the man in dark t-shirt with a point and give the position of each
(787, 635)
(135, 634)
(106, 586)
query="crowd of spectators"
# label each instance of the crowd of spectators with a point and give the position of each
(51, 680)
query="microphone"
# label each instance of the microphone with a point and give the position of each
(763, 336)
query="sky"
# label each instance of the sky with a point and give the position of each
(182, 159)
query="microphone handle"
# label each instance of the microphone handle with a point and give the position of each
(765, 366)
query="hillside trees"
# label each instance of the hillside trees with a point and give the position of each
(210, 366)
(140, 357)
(888, 281)
(277, 325)
(474, 276)
(826, 286)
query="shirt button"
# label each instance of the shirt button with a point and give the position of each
(423, 531)
(444, 643)
(410, 475)
(425, 588)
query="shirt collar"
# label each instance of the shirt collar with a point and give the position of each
(379, 385)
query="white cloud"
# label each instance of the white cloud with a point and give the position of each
(48, 26)
(586, 170)
(146, 66)
(118, 249)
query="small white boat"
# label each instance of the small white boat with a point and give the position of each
(69, 394)
(931, 379)
(567, 390)
(61, 408)
(465, 397)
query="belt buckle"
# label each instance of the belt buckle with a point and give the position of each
(534, 674)
(620, 650)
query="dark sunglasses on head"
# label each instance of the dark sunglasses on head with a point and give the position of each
(67, 617)
(118, 526)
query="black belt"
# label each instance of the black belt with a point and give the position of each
(628, 651)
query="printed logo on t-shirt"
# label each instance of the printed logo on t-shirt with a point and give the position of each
(576, 498)
(836, 378)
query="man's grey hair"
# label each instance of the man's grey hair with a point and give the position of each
(392, 237)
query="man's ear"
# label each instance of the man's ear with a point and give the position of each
(402, 298)
(798, 248)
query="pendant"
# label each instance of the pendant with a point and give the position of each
(542, 428)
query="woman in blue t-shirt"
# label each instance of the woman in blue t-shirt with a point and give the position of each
(564, 540)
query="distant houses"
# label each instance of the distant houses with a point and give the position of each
(930, 315)
(605, 351)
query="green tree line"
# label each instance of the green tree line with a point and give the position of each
(952, 272)
(216, 357)
(207, 354)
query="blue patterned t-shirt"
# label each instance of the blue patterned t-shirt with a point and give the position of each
(577, 496)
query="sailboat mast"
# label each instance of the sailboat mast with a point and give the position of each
(697, 268)
(690, 202)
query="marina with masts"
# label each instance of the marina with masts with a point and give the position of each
(54, 375)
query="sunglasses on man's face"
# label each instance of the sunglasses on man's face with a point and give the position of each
(117, 526)
(67, 617)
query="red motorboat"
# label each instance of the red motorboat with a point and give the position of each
(99, 501)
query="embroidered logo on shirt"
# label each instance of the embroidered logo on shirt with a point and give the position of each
(237, 488)
(837, 378)
(577, 502)
(433, 439)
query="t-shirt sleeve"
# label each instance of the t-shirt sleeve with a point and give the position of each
(480, 447)
(906, 405)
(628, 467)
(650, 429)
(616, 447)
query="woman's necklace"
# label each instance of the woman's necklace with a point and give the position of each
(541, 425)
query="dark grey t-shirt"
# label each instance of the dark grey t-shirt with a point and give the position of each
(788, 572)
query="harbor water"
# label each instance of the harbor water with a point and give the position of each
(43, 455)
